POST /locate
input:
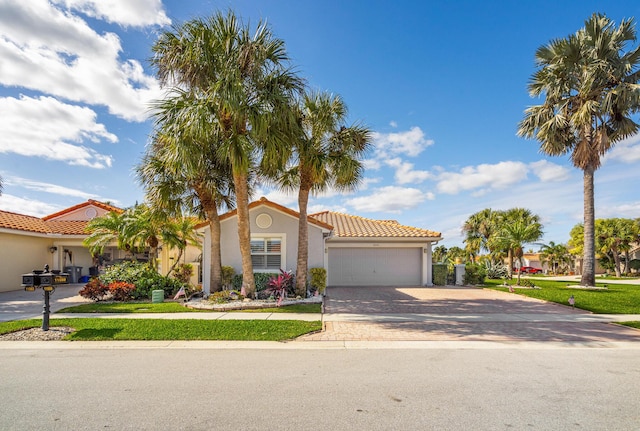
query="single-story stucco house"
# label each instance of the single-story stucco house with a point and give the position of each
(28, 243)
(356, 251)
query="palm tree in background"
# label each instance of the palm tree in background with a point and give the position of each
(557, 255)
(327, 154)
(182, 171)
(518, 227)
(248, 87)
(104, 231)
(479, 230)
(589, 81)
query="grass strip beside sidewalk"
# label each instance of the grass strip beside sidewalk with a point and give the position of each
(175, 307)
(615, 299)
(89, 329)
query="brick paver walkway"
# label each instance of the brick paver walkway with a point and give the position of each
(456, 314)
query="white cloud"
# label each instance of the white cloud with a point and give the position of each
(625, 151)
(390, 199)
(48, 188)
(317, 208)
(497, 176)
(137, 13)
(48, 50)
(45, 127)
(393, 124)
(410, 143)
(31, 207)
(405, 173)
(372, 164)
(628, 210)
(549, 172)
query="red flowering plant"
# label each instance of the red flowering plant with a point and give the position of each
(280, 285)
(121, 291)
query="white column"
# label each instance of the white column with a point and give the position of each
(460, 271)
(427, 269)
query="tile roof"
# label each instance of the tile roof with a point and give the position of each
(22, 222)
(90, 202)
(46, 225)
(349, 226)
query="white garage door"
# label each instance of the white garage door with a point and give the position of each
(375, 266)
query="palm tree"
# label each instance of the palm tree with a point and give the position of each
(479, 230)
(182, 170)
(103, 231)
(143, 227)
(181, 235)
(557, 255)
(519, 227)
(243, 78)
(326, 154)
(439, 254)
(590, 82)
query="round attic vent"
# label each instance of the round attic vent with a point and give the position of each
(91, 212)
(264, 221)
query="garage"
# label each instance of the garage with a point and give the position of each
(388, 266)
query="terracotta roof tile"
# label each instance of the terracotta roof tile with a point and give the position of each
(22, 222)
(349, 226)
(67, 227)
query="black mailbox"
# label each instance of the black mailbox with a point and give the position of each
(47, 280)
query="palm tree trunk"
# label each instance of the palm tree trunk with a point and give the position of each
(303, 242)
(589, 257)
(510, 255)
(175, 262)
(244, 232)
(616, 261)
(211, 210)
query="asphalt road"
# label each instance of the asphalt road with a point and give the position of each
(537, 388)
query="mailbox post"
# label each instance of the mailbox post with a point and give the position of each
(46, 281)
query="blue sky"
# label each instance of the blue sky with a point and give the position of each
(441, 84)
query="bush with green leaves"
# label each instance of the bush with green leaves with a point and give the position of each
(440, 274)
(227, 277)
(142, 277)
(261, 279)
(474, 274)
(318, 279)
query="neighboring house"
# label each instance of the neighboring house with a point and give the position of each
(29, 242)
(356, 251)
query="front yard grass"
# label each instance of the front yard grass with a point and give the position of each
(616, 299)
(175, 307)
(90, 329)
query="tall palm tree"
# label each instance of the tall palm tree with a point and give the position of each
(244, 78)
(326, 153)
(182, 170)
(479, 230)
(518, 227)
(181, 235)
(589, 80)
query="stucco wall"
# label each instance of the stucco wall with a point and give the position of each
(282, 224)
(20, 254)
(81, 213)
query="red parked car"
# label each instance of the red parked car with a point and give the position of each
(528, 270)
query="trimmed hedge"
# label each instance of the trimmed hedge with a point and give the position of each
(440, 274)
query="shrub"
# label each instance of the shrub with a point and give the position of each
(224, 296)
(280, 285)
(121, 291)
(228, 274)
(261, 279)
(474, 274)
(142, 277)
(495, 270)
(439, 274)
(318, 279)
(94, 290)
(183, 273)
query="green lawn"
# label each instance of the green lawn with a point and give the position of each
(617, 299)
(174, 307)
(90, 329)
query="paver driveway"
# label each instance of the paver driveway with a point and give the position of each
(457, 314)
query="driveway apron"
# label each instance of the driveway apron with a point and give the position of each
(458, 314)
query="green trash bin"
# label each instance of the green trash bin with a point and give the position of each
(157, 296)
